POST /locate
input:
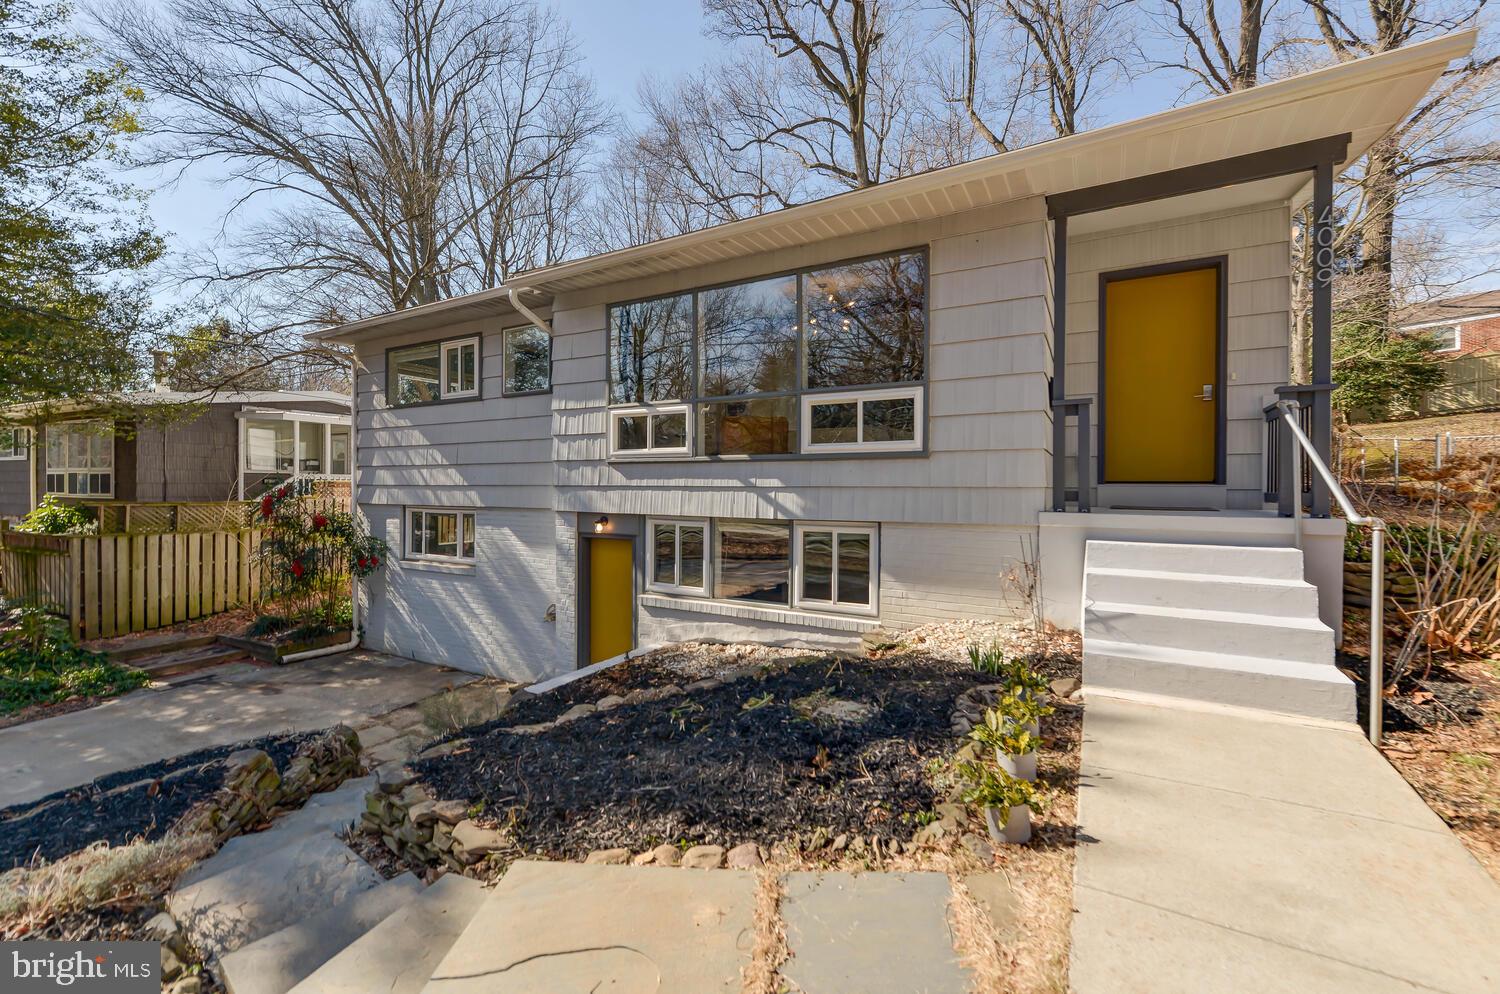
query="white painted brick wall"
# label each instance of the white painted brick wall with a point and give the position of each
(946, 572)
(490, 619)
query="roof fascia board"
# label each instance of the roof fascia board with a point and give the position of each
(1265, 164)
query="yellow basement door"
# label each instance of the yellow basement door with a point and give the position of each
(1161, 372)
(611, 596)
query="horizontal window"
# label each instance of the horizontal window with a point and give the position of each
(80, 459)
(836, 568)
(740, 356)
(678, 555)
(528, 360)
(649, 431)
(754, 562)
(15, 443)
(867, 421)
(432, 371)
(441, 535)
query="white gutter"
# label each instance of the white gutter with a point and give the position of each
(353, 643)
(514, 293)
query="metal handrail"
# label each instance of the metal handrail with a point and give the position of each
(1289, 417)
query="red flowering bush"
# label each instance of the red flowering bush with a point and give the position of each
(309, 551)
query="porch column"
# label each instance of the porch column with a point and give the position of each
(1322, 329)
(1059, 362)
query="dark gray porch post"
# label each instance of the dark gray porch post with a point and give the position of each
(1322, 328)
(1059, 362)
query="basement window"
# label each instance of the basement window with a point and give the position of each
(837, 568)
(444, 536)
(678, 557)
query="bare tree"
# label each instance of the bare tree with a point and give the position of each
(414, 148)
(1079, 46)
(1217, 57)
(1451, 139)
(991, 77)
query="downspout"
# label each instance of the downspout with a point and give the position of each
(353, 643)
(515, 301)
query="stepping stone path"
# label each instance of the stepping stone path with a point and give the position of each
(875, 933)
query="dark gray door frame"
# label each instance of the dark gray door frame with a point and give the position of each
(1220, 265)
(585, 572)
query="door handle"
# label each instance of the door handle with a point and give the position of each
(1207, 394)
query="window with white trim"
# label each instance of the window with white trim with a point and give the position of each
(743, 360)
(643, 431)
(433, 371)
(863, 421)
(527, 352)
(441, 535)
(15, 443)
(1448, 338)
(837, 567)
(81, 459)
(677, 553)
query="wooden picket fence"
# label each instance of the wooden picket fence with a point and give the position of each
(116, 584)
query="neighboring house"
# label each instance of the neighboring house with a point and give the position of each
(1467, 330)
(864, 412)
(1463, 326)
(228, 446)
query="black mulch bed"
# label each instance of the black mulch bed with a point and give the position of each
(1440, 698)
(718, 766)
(120, 807)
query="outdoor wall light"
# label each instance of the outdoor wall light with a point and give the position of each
(601, 524)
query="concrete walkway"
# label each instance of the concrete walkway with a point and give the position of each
(232, 704)
(1228, 851)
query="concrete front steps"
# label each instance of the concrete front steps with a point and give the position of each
(1221, 624)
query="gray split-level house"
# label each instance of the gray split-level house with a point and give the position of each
(896, 405)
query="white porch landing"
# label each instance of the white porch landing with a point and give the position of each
(1234, 625)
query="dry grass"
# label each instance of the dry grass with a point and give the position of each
(1469, 423)
(763, 975)
(1456, 767)
(94, 877)
(978, 945)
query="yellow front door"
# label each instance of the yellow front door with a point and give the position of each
(1161, 372)
(611, 595)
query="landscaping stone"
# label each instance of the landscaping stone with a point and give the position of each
(609, 703)
(450, 812)
(992, 890)
(875, 933)
(476, 840)
(703, 858)
(575, 712)
(745, 856)
(842, 711)
(608, 857)
(979, 846)
(1065, 687)
(666, 855)
(566, 927)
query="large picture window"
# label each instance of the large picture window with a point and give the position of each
(80, 459)
(745, 360)
(440, 535)
(432, 371)
(754, 562)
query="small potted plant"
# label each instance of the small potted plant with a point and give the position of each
(1024, 711)
(1021, 680)
(1015, 746)
(1007, 801)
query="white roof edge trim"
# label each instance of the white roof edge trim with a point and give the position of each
(1412, 59)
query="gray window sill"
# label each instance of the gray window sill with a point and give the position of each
(753, 612)
(428, 566)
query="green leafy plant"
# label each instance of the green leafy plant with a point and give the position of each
(991, 787)
(756, 703)
(989, 661)
(54, 517)
(1004, 734)
(310, 552)
(267, 624)
(41, 664)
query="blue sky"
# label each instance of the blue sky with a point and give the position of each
(622, 41)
